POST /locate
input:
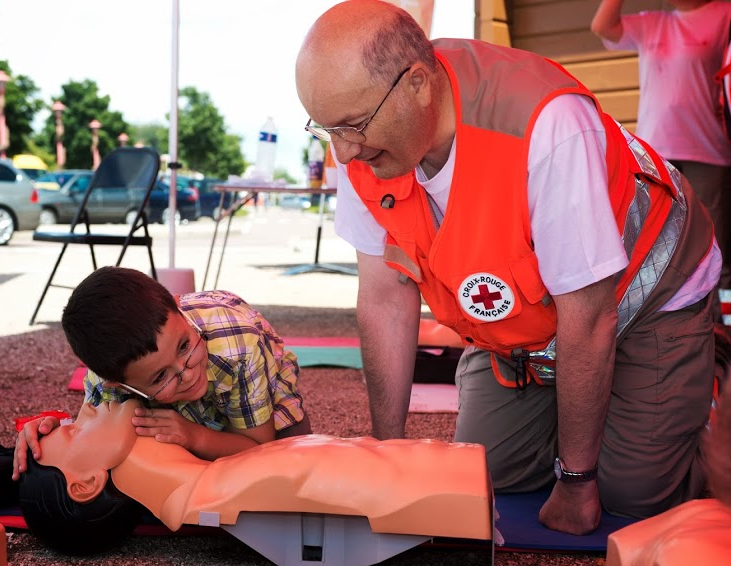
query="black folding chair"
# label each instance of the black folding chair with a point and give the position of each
(130, 169)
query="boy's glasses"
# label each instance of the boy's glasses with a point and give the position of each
(170, 386)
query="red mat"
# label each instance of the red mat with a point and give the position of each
(11, 518)
(77, 378)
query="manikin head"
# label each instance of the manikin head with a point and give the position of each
(66, 497)
(127, 328)
(353, 54)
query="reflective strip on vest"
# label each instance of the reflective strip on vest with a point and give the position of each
(543, 362)
(724, 296)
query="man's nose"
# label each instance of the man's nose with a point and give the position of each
(345, 151)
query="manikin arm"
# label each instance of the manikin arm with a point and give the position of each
(388, 319)
(607, 22)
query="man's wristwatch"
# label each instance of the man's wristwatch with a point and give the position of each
(566, 476)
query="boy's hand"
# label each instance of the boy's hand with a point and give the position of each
(28, 438)
(165, 425)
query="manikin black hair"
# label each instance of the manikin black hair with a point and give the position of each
(67, 526)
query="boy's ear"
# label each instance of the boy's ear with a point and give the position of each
(110, 383)
(88, 488)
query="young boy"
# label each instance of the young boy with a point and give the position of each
(212, 374)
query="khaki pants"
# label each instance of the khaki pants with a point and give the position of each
(712, 185)
(660, 402)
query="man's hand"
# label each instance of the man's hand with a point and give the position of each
(165, 425)
(28, 438)
(572, 508)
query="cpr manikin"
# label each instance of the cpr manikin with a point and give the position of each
(401, 487)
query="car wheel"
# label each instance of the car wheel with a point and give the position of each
(48, 216)
(7, 226)
(129, 218)
(166, 216)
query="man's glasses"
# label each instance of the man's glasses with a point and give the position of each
(167, 390)
(351, 134)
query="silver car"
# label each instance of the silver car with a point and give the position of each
(19, 206)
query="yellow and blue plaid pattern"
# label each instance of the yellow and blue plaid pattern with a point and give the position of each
(251, 377)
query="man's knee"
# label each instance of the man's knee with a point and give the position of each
(642, 489)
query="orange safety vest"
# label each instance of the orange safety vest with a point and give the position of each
(477, 270)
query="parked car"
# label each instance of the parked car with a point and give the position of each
(188, 204)
(19, 208)
(53, 180)
(56, 206)
(111, 204)
(59, 205)
(210, 199)
(32, 165)
(294, 201)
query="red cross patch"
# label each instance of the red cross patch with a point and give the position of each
(486, 297)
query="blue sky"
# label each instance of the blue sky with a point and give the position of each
(241, 52)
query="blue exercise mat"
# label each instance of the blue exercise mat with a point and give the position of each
(340, 356)
(519, 525)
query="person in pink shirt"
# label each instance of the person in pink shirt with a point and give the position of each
(679, 111)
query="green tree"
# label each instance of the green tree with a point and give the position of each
(203, 143)
(84, 104)
(153, 135)
(21, 106)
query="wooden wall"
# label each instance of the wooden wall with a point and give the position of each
(491, 22)
(559, 30)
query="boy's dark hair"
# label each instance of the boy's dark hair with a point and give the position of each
(114, 317)
(67, 526)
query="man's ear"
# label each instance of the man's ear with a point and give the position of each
(83, 490)
(421, 85)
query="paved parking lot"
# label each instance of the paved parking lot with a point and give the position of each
(261, 246)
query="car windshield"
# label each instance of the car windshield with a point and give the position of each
(33, 173)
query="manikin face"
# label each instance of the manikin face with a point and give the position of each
(99, 439)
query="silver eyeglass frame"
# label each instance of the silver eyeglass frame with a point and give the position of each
(351, 134)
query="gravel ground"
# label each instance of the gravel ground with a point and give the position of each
(36, 369)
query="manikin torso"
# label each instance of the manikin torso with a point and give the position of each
(402, 486)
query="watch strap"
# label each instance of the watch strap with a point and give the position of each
(568, 476)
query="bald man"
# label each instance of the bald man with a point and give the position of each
(560, 248)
